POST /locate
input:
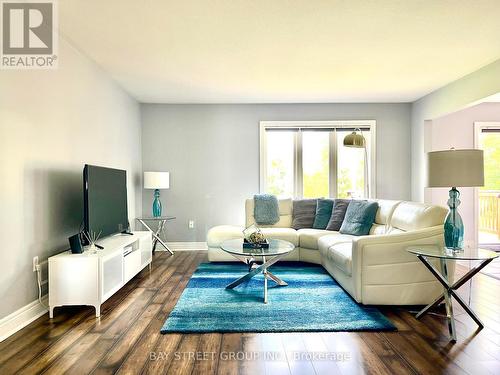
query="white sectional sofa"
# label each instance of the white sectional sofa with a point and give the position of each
(373, 269)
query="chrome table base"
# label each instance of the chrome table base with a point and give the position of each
(157, 234)
(449, 292)
(255, 269)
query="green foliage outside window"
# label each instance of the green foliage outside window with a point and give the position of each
(344, 183)
(316, 184)
(276, 178)
(491, 147)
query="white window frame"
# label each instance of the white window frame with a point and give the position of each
(298, 186)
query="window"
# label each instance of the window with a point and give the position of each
(351, 168)
(309, 159)
(280, 163)
(315, 164)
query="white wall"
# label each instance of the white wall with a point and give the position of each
(51, 124)
(453, 97)
(212, 152)
(457, 130)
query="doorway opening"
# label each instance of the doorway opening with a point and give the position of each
(488, 196)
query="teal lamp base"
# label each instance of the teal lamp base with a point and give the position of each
(157, 204)
(453, 224)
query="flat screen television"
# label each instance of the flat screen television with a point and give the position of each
(105, 200)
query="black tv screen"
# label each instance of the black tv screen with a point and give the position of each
(105, 200)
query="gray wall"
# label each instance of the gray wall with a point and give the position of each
(51, 124)
(455, 96)
(212, 152)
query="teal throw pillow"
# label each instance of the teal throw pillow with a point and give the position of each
(359, 218)
(323, 213)
(266, 209)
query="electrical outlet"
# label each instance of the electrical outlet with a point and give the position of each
(191, 224)
(35, 263)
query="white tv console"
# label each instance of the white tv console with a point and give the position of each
(90, 279)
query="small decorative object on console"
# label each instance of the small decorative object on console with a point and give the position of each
(92, 238)
(254, 238)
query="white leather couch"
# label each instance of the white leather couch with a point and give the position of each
(373, 269)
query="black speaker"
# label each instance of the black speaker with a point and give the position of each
(75, 244)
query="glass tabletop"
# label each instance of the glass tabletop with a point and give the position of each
(276, 247)
(156, 218)
(434, 251)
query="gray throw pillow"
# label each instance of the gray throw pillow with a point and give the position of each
(304, 212)
(359, 218)
(338, 213)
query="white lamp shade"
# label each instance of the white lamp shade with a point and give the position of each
(455, 168)
(156, 180)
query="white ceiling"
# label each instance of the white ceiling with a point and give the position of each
(265, 51)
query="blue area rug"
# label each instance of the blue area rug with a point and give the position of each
(312, 301)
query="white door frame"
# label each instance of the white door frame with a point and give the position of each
(478, 127)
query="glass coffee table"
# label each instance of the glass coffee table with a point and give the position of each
(443, 254)
(258, 260)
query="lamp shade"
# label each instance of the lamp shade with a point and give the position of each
(354, 140)
(455, 168)
(156, 180)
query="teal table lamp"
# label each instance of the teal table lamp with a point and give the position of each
(455, 168)
(156, 181)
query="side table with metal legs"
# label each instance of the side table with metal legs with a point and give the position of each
(161, 221)
(449, 290)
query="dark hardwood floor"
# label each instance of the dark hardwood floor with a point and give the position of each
(126, 338)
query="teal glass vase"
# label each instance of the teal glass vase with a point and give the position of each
(157, 204)
(453, 224)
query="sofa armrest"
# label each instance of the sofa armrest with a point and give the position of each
(391, 248)
(403, 237)
(382, 251)
(221, 233)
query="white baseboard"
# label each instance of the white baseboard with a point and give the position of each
(21, 318)
(184, 246)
